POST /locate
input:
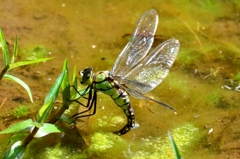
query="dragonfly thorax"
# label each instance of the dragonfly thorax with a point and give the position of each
(102, 76)
(86, 76)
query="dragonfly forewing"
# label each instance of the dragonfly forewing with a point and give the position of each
(139, 44)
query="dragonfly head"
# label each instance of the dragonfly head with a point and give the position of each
(86, 76)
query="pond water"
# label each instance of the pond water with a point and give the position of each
(202, 85)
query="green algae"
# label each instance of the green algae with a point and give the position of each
(103, 142)
(57, 152)
(109, 121)
(185, 137)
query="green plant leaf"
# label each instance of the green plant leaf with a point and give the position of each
(15, 50)
(45, 111)
(4, 49)
(17, 151)
(23, 84)
(47, 129)
(174, 146)
(53, 92)
(18, 126)
(74, 80)
(23, 63)
(74, 84)
(66, 85)
(50, 99)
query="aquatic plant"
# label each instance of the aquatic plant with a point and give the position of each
(20, 111)
(44, 123)
(10, 63)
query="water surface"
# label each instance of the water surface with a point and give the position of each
(203, 84)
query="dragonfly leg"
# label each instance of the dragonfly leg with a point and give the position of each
(92, 103)
(128, 110)
(81, 95)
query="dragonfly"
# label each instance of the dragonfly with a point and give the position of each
(134, 73)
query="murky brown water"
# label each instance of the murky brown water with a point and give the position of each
(202, 84)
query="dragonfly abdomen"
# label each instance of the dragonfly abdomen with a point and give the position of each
(104, 83)
(121, 98)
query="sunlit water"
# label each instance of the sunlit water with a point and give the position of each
(202, 85)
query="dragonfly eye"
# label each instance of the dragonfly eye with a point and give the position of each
(86, 76)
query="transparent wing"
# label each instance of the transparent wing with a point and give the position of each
(150, 72)
(134, 93)
(139, 45)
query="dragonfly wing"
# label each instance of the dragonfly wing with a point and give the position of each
(133, 93)
(153, 68)
(139, 45)
(136, 84)
(139, 95)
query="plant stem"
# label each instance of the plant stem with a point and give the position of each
(56, 117)
(4, 71)
(30, 137)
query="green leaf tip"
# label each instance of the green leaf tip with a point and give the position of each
(174, 146)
